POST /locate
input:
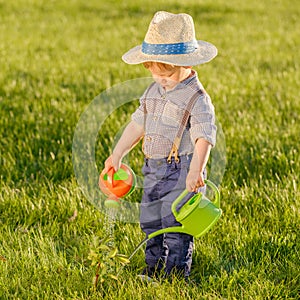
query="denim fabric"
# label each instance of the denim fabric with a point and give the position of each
(163, 183)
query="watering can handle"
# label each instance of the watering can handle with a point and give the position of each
(216, 190)
(110, 177)
(185, 192)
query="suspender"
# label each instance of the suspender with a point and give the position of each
(184, 120)
(145, 108)
(145, 112)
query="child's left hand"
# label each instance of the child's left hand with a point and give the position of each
(194, 180)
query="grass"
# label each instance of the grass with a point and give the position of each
(56, 57)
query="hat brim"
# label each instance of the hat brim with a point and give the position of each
(203, 54)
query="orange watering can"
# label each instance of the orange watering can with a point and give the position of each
(117, 184)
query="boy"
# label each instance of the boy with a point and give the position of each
(174, 159)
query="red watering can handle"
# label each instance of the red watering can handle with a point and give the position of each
(110, 177)
(185, 192)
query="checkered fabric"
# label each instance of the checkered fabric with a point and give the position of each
(164, 113)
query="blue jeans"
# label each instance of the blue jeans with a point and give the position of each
(163, 183)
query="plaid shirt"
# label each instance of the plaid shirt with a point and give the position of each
(161, 112)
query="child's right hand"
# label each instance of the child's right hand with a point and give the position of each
(112, 162)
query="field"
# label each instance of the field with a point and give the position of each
(55, 58)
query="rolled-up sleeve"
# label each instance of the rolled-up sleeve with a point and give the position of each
(203, 120)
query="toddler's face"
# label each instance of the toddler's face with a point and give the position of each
(168, 79)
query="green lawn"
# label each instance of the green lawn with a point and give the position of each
(56, 57)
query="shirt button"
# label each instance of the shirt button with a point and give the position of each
(149, 138)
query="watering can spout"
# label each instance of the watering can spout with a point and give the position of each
(175, 229)
(197, 215)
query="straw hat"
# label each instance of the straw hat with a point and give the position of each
(171, 39)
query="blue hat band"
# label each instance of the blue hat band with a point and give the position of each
(167, 49)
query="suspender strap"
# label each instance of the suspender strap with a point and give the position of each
(186, 115)
(145, 113)
(184, 121)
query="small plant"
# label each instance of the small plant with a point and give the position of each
(104, 255)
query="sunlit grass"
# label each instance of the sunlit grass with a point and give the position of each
(56, 57)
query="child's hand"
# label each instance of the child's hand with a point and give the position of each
(112, 161)
(194, 180)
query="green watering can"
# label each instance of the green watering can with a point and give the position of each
(197, 215)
